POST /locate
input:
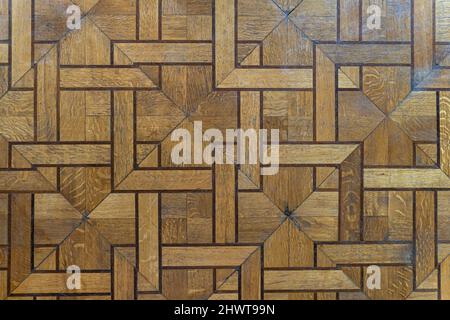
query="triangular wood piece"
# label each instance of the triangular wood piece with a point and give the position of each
(224, 296)
(327, 178)
(27, 80)
(258, 225)
(153, 73)
(127, 256)
(54, 219)
(396, 283)
(443, 55)
(86, 248)
(41, 49)
(115, 219)
(262, 13)
(227, 280)
(285, 191)
(50, 20)
(86, 5)
(157, 116)
(245, 183)
(106, 14)
(4, 152)
(317, 19)
(4, 71)
(187, 86)
(323, 260)
(145, 155)
(18, 161)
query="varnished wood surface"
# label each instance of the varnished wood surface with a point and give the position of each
(86, 176)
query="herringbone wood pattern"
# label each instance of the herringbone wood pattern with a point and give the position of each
(86, 176)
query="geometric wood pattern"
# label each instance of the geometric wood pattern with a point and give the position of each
(86, 176)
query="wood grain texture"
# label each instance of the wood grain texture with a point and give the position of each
(87, 124)
(306, 280)
(21, 46)
(350, 198)
(423, 41)
(225, 179)
(349, 14)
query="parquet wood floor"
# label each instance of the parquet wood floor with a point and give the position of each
(87, 180)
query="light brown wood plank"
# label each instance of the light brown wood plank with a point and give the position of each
(307, 280)
(225, 186)
(117, 78)
(21, 55)
(206, 256)
(153, 180)
(70, 154)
